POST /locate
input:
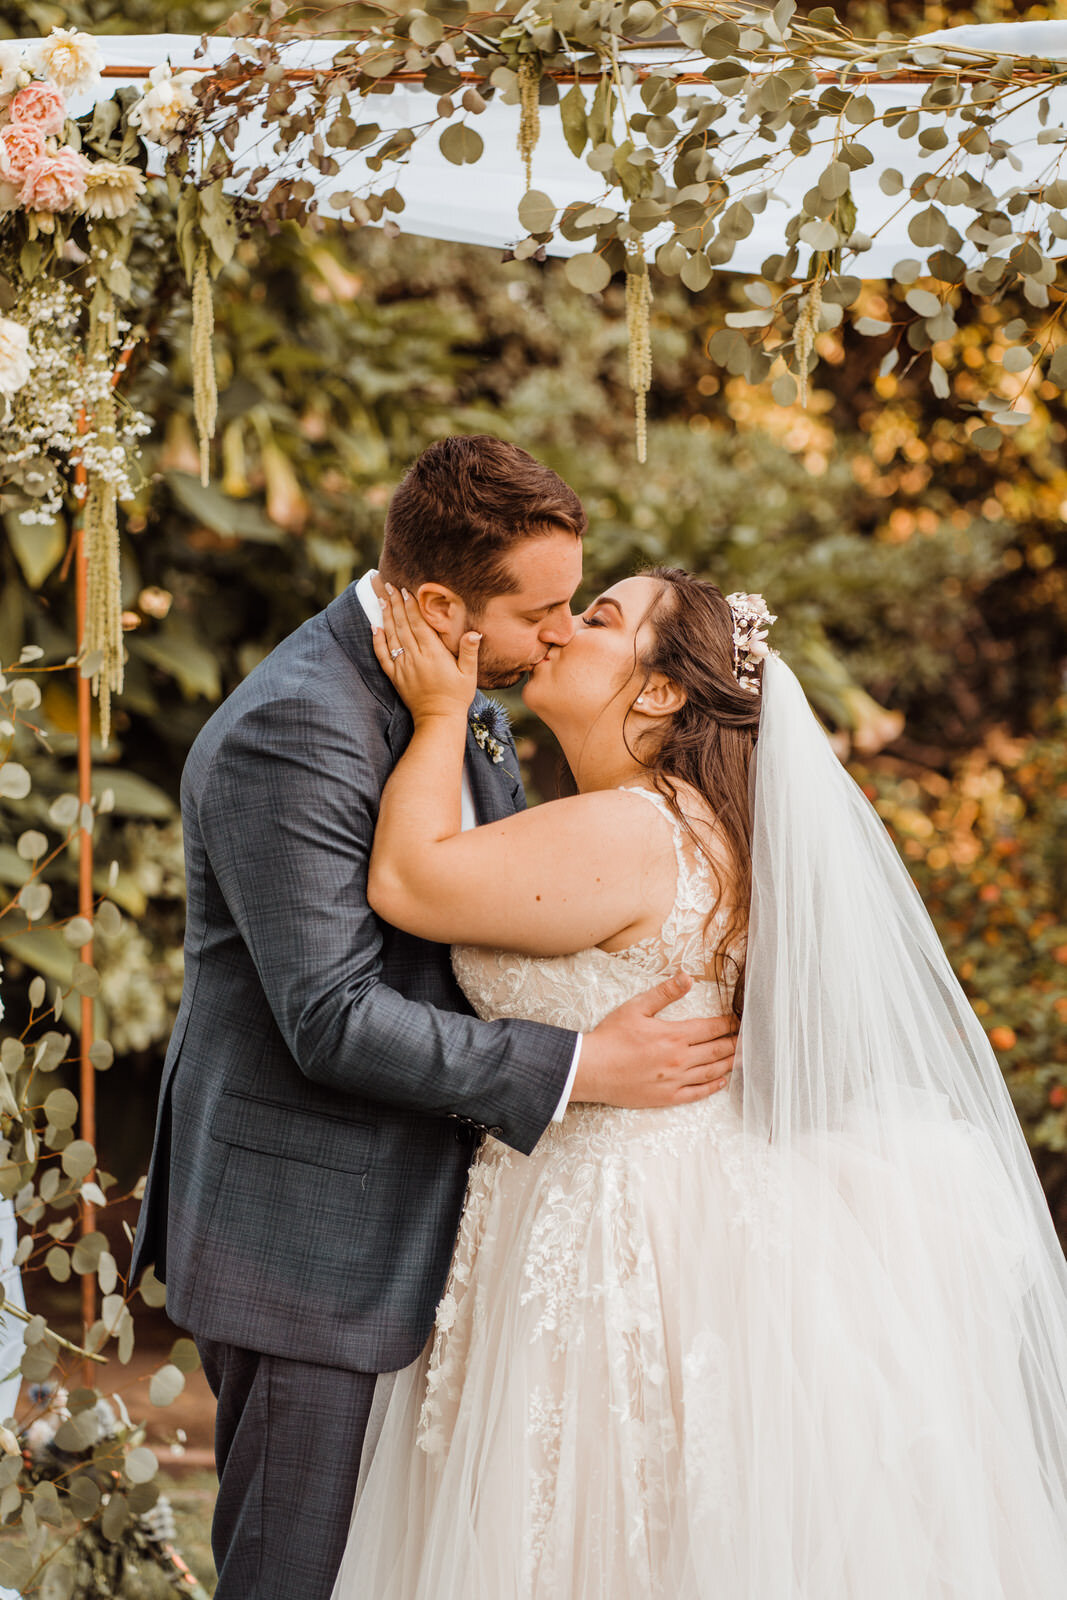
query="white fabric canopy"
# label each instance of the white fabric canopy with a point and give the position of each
(479, 203)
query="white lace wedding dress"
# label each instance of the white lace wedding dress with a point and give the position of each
(582, 1425)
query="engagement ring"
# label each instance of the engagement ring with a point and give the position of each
(399, 651)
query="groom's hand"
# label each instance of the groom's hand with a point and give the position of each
(636, 1058)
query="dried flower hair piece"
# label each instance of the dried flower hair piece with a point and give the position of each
(752, 622)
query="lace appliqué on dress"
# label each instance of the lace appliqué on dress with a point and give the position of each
(588, 1282)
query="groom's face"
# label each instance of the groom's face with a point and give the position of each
(517, 628)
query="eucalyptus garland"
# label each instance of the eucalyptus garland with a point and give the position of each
(652, 97)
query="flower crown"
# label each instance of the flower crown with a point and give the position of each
(752, 621)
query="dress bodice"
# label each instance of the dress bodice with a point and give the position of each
(577, 991)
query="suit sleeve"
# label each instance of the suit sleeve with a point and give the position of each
(287, 813)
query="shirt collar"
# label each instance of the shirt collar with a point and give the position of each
(372, 606)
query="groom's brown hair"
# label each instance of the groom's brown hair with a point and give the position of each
(461, 508)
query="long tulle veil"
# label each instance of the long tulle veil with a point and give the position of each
(892, 1173)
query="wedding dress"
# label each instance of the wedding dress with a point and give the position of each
(676, 1361)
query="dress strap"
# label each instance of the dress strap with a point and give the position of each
(677, 831)
(656, 799)
(692, 867)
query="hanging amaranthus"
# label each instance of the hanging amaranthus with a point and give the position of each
(529, 112)
(104, 460)
(205, 391)
(638, 310)
(804, 331)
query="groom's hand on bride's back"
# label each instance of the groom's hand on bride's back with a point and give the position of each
(638, 1058)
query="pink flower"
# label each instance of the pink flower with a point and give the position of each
(41, 106)
(55, 182)
(20, 146)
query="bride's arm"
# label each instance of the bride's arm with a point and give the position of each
(548, 881)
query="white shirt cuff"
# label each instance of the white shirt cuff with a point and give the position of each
(565, 1097)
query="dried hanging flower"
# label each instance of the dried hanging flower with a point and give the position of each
(102, 643)
(205, 391)
(529, 113)
(638, 312)
(804, 332)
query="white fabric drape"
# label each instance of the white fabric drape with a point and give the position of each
(479, 203)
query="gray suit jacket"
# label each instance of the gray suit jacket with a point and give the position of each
(326, 1084)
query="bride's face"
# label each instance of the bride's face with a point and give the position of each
(594, 680)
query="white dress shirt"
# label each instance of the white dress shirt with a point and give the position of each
(372, 606)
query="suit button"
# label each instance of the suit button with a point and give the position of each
(496, 1133)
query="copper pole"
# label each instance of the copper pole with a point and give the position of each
(856, 79)
(87, 1076)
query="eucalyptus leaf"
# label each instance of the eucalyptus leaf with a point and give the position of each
(165, 1385)
(573, 118)
(152, 1292)
(923, 302)
(61, 1108)
(590, 273)
(537, 213)
(871, 327)
(696, 272)
(32, 844)
(461, 144)
(15, 782)
(77, 1161)
(141, 1465)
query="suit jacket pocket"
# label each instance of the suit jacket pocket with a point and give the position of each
(280, 1130)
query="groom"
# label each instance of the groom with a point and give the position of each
(326, 1084)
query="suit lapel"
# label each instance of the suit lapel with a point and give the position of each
(490, 787)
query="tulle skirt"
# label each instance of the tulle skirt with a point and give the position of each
(672, 1366)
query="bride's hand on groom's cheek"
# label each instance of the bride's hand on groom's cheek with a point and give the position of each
(429, 679)
(637, 1058)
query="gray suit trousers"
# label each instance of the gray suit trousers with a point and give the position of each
(288, 1438)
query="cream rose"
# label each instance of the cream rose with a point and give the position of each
(54, 182)
(40, 106)
(20, 146)
(14, 356)
(164, 107)
(71, 60)
(10, 63)
(111, 190)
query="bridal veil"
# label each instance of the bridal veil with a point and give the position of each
(901, 1235)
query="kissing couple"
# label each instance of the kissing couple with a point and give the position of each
(444, 1160)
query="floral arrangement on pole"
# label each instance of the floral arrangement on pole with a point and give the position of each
(72, 1454)
(679, 186)
(72, 194)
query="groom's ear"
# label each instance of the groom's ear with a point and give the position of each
(441, 607)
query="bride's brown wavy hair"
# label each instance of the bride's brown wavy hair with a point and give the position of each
(708, 743)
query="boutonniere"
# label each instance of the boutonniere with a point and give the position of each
(490, 728)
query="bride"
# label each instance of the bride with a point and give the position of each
(803, 1341)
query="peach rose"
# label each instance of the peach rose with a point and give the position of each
(55, 182)
(40, 106)
(20, 146)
